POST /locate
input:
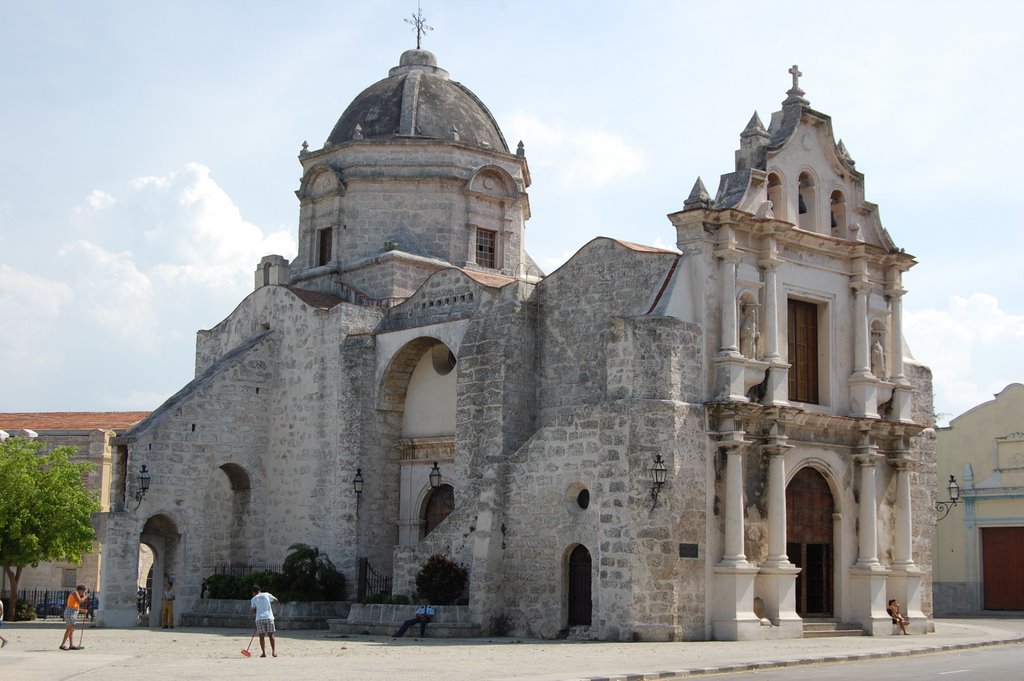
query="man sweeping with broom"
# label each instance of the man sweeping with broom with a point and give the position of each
(77, 600)
(261, 607)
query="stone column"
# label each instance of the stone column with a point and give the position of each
(867, 575)
(902, 406)
(733, 604)
(734, 553)
(904, 583)
(863, 385)
(867, 537)
(902, 550)
(778, 370)
(776, 581)
(727, 270)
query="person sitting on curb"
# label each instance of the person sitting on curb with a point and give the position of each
(424, 615)
(897, 616)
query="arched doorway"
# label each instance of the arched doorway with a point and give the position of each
(580, 604)
(809, 537)
(160, 534)
(439, 504)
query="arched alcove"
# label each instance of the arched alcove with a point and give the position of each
(807, 203)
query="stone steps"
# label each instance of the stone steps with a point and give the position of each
(830, 629)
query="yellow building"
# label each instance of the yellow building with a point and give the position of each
(979, 547)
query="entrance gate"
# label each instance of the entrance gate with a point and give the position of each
(809, 508)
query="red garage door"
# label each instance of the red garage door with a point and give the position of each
(1002, 555)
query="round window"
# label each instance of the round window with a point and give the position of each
(583, 498)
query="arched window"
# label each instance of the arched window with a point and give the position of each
(838, 209)
(807, 203)
(440, 503)
(775, 196)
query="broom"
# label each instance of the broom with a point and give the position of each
(245, 651)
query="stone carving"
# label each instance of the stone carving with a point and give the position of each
(878, 359)
(749, 335)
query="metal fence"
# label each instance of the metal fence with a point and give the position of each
(51, 602)
(244, 569)
(372, 582)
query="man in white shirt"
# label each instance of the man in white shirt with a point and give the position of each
(264, 613)
(423, 616)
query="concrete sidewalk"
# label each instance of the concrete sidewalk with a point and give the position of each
(214, 654)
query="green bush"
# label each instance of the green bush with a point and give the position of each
(441, 579)
(24, 612)
(307, 575)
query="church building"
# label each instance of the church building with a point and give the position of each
(722, 441)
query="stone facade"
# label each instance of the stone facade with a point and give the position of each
(761, 364)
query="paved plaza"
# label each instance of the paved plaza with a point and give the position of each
(214, 654)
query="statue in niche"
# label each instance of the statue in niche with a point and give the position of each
(878, 359)
(749, 335)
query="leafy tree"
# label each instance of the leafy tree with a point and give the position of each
(45, 508)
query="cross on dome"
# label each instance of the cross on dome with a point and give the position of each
(419, 23)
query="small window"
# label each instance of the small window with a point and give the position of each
(485, 248)
(802, 325)
(324, 249)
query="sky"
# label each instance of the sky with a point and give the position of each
(150, 154)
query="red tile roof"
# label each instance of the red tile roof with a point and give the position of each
(71, 420)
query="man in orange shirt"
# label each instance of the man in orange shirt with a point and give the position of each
(76, 600)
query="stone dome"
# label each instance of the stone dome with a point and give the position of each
(418, 100)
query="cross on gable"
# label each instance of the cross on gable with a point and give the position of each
(796, 76)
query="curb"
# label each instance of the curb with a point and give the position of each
(780, 664)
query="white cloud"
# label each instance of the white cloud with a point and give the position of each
(31, 308)
(583, 159)
(99, 199)
(112, 317)
(966, 347)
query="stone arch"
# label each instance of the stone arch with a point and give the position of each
(437, 505)
(811, 539)
(837, 213)
(777, 194)
(160, 533)
(578, 571)
(807, 201)
(419, 387)
(227, 507)
(320, 180)
(495, 182)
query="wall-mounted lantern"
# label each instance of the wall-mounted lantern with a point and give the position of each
(357, 482)
(435, 477)
(660, 472)
(954, 496)
(140, 493)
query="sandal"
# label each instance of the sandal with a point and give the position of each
(63, 647)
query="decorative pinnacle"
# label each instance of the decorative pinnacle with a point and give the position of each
(699, 197)
(419, 23)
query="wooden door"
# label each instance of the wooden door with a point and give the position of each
(1002, 555)
(579, 587)
(809, 508)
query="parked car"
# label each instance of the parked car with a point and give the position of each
(50, 608)
(54, 607)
